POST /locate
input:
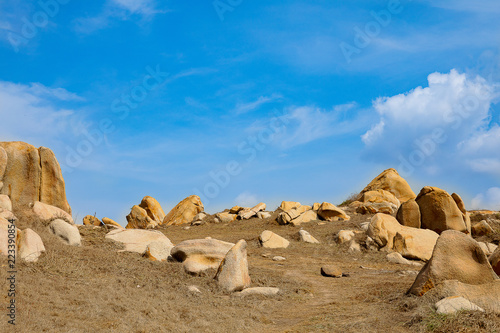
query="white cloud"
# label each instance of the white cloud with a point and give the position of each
(246, 199)
(247, 107)
(488, 200)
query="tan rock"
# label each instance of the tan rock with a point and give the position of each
(263, 291)
(248, 213)
(482, 229)
(383, 228)
(307, 216)
(456, 256)
(303, 208)
(344, 236)
(236, 209)
(139, 219)
(159, 250)
(52, 186)
(109, 222)
(397, 258)
(379, 196)
(486, 296)
(68, 233)
(137, 240)
(376, 207)
(226, 217)
(264, 215)
(316, 206)
(307, 237)
(3, 165)
(5, 202)
(494, 260)
(286, 217)
(271, 240)
(331, 271)
(46, 212)
(185, 211)
(439, 211)
(389, 180)
(465, 215)
(153, 209)
(287, 205)
(409, 214)
(232, 274)
(415, 243)
(91, 220)
(452, 304)
(30, 245)
(330, 212)
(5, 227)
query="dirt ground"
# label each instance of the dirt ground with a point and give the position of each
(93, 288)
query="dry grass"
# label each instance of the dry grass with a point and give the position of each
(93, 288)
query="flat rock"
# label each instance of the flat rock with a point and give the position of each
(137, 240)
(453, 304)
(271, 240)
(264, 291)
(397, 258)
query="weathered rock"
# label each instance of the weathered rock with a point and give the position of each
(439, 211)
(232, 274)
(456, 256)
(91, 220)
(153, 209)
(185, 211)
(159, 250)
(465, 214)
(226, 217)
(263, 215)
(389, 180)
(397, 258)
(139, 219)
(307, 216)
(137, 240)
(331, 271)
(194, 289)
(287, 205)
(30, 245)
(494, 260)
(28, 175)
(344, 236)
(287, 217)
(354, 246)
(110, 223)
(5, 227)
(5, 202)
(330, 212)
(453, 304)
(377, 207)
(7, 214)
(248, 213)
(409, 214)
(200, 255)
(485, 248)
(316, 206)
(263, 291)
(236, 209)
(271, 240)
(307, 238)
(482, 229)
(383, 228)
(279, 258)
(486, 296)
(46, 212)
(68, 233)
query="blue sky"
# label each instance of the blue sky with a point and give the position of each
(249, 101)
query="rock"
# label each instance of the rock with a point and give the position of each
(264, 215)
(482, 229)
(409, 214)
(236, 209)
(492, 247)
(453, 304)
(330, 212)
(185, 211)
(307, 216)
(28, 175)
(110, 223)
(232, 274)
(263, 291)
(7, 214)
(486, 296)
(288, 205)
(344, 236)
(383, 228)
(354, 246)
(200, 217)
(5, 227)
(29, 245)
(376, 207)
(397, 258)
(247, 213)
(316, 206)
(153, 209)
(159, 250)
(5, 202)
(287, 217)
(194, 289)
(364, 226)
(439, 211)
(389, 180)
(331, 271)
(139, 219)
(271, 240)
(91, 220)
(485, 248)
(494, 260)
(46, 212)
(306, 237)
(456, 256)
(226, 217)
(378, 201)
(200, 255)
(137, 240)
(68, 233)
(279, 258)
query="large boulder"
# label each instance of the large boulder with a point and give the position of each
(139, 219)
(232, 274)
(159, 250)
(409, 214)
(330, 212)
(439, 211)
(153, 209)
(46, 212)
(382, 229)
(185, 211)
(30, 245)
(28, 174)
(68, 233)
(200, 255)
(270, 240)
(494, 260)
(389, 180)
(456, 256)
(137, 240)
(287, 205)
(226, 217)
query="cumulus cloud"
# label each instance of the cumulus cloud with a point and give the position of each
(488, 200)
(452, 116)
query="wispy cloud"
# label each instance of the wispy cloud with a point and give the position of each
(242, 108)
(488, 200)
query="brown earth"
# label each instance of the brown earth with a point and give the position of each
(93, 288)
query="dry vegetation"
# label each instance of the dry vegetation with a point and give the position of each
(93, 288)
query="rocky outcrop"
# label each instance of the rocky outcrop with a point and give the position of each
(185, 211)
(456, 256)
(389, 180)
(248, 213)
(232, 274)
(330, 212)
(377, 201)
(28, 174)
(481, 229)
(153, 209)
(139, 219)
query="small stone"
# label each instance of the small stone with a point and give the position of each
(482, 229)
(307, 238)
(331, 271)
(279, 258)
(354, 246)
(453, 304)
(397, 258)
(271, 240)
(264, 291)
(344, 236)
(194, 289)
